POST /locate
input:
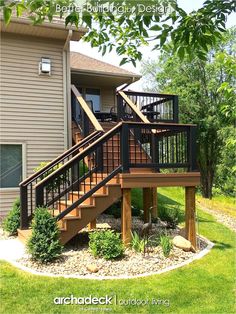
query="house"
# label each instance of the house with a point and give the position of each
(64, 108)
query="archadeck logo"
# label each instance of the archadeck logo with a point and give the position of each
(90, 300)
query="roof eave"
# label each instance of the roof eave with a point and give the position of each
(132, 76)
(77, 32)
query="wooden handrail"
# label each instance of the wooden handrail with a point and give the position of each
(86, 109)
(134, 108)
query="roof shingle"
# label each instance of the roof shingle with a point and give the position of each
(83, 63)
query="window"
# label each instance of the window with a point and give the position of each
(11, 168)
(93, 95)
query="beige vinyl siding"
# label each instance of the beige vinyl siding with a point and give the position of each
(31, 105)
(7, 199)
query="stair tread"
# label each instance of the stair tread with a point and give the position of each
(71, 218)
(94, 194)
(94, 183)
(80, 206)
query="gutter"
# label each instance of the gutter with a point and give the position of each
(101, 73)
(53, 24)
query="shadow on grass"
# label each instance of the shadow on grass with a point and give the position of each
(221, 245)
(167, 204)
(164, 200)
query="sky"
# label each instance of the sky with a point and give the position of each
(113, 58)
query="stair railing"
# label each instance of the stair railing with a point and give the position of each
(27, 187)
(83, 175)
(87, 119)
(170, 146)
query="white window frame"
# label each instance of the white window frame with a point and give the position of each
(23, 145)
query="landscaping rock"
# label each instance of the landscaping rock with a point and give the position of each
(182, 243)
(78, 260)
(92, 268)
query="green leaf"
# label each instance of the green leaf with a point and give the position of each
(87, 19)
(123, 61)
(147, 20)
(155, 28)
(181, 52)
(7, 12)
(20, 8)
(104, 49)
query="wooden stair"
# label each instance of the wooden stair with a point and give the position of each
(86, 212)
(104, 197)
(82, 215)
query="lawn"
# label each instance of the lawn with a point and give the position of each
(204, 286)
(223, 203)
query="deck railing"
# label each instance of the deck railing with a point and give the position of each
(155, 107)
(127, 110)
(128, 145)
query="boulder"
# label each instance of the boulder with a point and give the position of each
(182, 243)
(92, 268)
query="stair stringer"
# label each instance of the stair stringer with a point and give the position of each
(72, 225)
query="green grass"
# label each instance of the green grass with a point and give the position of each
(223, 203)
(204, 286)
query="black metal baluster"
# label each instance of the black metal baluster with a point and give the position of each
(113, 153)
(83, 175)
(31, 198)
(176, 147)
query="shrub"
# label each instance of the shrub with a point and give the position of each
(106, 244)
(12, 222)
(137, 243)
(166, 245)
(44, 245)
(170, 214)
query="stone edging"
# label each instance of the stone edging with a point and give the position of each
(196, 257)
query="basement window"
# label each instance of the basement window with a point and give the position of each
(11, 167)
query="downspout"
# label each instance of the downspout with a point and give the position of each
(66, 91)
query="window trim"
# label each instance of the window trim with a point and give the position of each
(23, 145)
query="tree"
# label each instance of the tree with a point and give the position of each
(203, 101)
(126, 25)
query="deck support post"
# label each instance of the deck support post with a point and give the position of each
(154, 202)
(190, 219)
(92, 225)
(126, 216)
(147, 202)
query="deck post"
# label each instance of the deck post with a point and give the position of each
(92, 225)
(154, 202)
(126, 216)
(190, 223)
(147, 203)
